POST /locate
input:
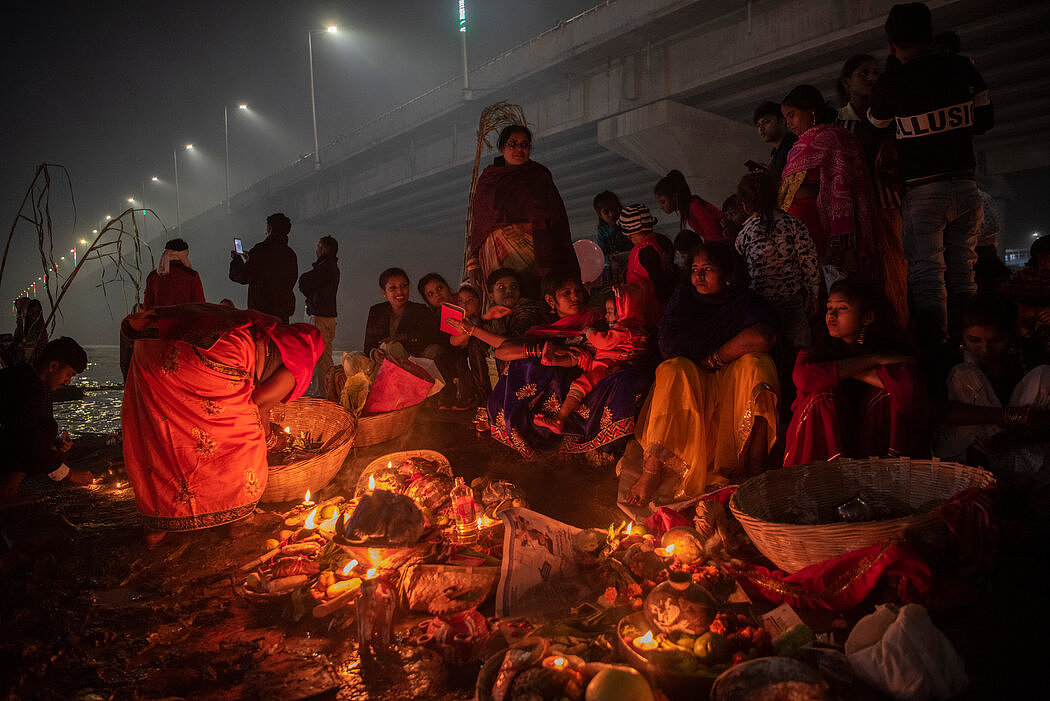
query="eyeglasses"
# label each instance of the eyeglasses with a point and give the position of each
(524, 145)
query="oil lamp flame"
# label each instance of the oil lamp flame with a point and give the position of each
(371, 573)
(309, 522)
(371, 482)
(560, 663)
(670, 549)
(630, 527)
(288, 429)
(306, 499)
(645, 642)
(349, 567)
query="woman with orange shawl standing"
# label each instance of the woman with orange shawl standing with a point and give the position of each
(197, 399)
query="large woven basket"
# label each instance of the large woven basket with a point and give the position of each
(325, 421)
(373, 429)
(766, 504)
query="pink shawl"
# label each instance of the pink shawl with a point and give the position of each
(844, 199)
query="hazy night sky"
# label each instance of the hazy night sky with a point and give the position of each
(109, 90)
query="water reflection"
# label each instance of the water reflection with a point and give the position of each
(99, 410)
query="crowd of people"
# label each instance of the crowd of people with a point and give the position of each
(828, 308)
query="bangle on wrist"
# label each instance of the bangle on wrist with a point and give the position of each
(1016, 415)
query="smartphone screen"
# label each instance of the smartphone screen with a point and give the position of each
(238, 247)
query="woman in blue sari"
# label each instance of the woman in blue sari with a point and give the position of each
(528, 387)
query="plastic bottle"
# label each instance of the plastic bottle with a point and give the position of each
(464, 512)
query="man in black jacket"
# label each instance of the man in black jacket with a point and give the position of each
(269, 270)
(29, 440)
(320, 286)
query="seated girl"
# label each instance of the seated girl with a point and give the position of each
(711, 416)
(398, 320)
(605, 415)
(999, 410)
(858, 394)
(624, 342)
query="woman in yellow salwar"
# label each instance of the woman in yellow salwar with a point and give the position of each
(711, 416)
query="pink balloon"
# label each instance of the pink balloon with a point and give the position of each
(591, 259)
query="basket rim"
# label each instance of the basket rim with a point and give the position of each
(817, 466)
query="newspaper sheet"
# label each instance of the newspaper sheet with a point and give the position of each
(539, 573)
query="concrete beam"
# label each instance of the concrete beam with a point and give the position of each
(708, 149)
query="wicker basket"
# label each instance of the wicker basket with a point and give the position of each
(763, 504)
(320, 418)
(373, 429)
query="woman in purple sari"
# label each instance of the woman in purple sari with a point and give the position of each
(528, 387)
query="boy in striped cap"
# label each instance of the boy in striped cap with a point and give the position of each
(645, 264)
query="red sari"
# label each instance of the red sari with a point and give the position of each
(832, 417)
(194, 446)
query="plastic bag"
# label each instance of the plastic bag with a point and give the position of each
(397, 387)
(902, 653)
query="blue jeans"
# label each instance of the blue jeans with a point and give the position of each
(940, 222)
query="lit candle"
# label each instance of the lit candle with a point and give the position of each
(556, 662)
(645, 642)
(666, 552)
(347, 572)
(306, 500)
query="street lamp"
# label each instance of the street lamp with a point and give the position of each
(178, 208)
(313, 102)
(226, 124)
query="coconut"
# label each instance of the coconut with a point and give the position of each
(385, 519)
(618, 683)
(688, 544)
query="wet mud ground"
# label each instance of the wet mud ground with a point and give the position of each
(88, 612)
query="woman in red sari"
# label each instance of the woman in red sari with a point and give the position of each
(825, 183)
(858, 395)
(197, 400)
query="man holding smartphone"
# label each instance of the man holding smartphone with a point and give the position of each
(269, 269)
(772, 129)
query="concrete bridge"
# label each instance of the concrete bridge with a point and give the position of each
(615, 97)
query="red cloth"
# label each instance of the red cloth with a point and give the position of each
(806, 211)
(518, 195)
(638, 275)
(664, 519)
(844, 200)
(829, 419)
(705, 219)
(180, 286)
(841, 583)
(627, 337)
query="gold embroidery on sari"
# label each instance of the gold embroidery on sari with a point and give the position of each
(205, 443)
(526, 391)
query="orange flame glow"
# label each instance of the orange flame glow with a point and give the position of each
(306, 499)
(349, 566)
(309, 523)
(370, 574)
(560, 663)
(645, 642)
(630, 527)
(288, 429)
(371, 482)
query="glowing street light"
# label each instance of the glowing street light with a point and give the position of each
(226, 123)
(178, 209)
(313, 102)
(463, 36)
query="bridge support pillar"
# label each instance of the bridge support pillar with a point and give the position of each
(709, 149)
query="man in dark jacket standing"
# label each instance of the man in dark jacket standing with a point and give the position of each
(269, 270)
(320, 286)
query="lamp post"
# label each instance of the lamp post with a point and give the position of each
(463, 36)
(313, 101)
(226, 124)
(178, 205)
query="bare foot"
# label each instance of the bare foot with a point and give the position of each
(553, 425)
(643, 490)
(154, 537)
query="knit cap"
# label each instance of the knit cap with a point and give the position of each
(634, 218)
